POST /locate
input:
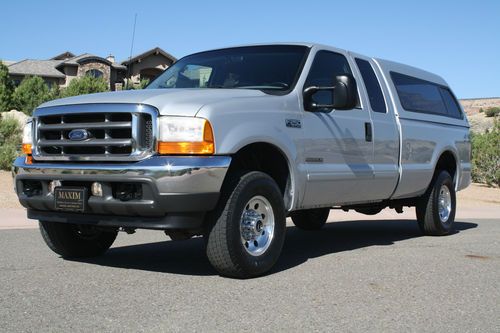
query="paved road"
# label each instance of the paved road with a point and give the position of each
(351, 276)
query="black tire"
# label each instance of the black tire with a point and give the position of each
(226, 250)
(428, 217)
(310, 219)
(76, 241)
(369, 211)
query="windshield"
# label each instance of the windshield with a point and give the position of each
(268, 68)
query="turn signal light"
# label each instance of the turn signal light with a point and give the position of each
(26, 148)
(205, 146)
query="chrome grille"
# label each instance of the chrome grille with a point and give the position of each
(118, 132)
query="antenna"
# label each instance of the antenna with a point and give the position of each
(131, 50)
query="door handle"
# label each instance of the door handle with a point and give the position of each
(368, 132)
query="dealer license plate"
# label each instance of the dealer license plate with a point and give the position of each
(72, 199)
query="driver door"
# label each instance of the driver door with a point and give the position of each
(338, 149)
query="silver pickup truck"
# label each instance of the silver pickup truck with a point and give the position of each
(227, 143)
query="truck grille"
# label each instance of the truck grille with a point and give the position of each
(94, 132)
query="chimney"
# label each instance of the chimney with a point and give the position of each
(111, 58)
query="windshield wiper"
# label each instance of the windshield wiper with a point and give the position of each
(263, 87)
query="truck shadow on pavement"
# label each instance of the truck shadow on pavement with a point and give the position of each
(188, 257)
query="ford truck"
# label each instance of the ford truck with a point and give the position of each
(228, 143)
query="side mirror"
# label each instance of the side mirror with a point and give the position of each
(344, 94)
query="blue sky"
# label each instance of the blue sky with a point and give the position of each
(459, 40)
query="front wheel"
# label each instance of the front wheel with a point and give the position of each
(247, 230)
(436, 208)
(76, 241)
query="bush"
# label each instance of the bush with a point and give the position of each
(492, 112)
(486, 156)
(85, 85)
(32, 92)
(10, 141)
(6, 88)
(136, 86)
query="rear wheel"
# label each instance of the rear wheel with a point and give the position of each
(436, 208)
(75, 240)
(310, 219)
(247, 230)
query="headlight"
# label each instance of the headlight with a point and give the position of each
(27, 137)
(185, 136)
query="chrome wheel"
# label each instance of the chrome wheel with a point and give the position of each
(257, 225)
(444, 203)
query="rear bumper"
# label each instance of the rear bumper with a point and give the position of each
(171, 186)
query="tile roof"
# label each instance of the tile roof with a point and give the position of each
(45, 68)
(75, 61)
(62, 56)
(147, 53)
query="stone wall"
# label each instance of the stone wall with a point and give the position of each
(104, 68)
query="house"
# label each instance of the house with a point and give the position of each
(63, 68)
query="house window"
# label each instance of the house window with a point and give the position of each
(94, 73)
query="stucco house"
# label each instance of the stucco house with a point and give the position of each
(64, 67)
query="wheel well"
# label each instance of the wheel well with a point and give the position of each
(266, 158)
(448, 163)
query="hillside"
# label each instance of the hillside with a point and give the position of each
(478, 121)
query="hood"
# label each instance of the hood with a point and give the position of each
(176, 102)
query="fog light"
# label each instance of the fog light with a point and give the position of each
(53, 184)
(97, 189)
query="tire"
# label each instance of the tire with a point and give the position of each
(436, 208)
(369, 211)
(310, 219)
(251, 210)
(76, 241)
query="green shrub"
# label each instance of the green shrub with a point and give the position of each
(85, 85)
(136, 86)
(6, 88)
(8, 153)
(486, 156)
(32, 92)
(492, 112)
(143, 84)
(10, 141)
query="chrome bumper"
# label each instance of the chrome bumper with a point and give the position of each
(170, 185)
(170, 174)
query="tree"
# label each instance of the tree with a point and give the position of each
(6, 88)
(32, 92)
(10, 140)
(85, 85)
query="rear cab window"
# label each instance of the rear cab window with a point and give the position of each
(375, 95)
(417, 95)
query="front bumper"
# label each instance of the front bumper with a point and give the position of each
(171, 186)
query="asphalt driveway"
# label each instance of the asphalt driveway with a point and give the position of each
(351, 276)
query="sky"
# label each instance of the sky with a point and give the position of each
(459, 40)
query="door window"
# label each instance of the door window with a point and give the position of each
(326, 66)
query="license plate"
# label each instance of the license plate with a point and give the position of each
(71, 199)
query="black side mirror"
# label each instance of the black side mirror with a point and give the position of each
(344, 94)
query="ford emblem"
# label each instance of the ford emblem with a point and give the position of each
(78, 135)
